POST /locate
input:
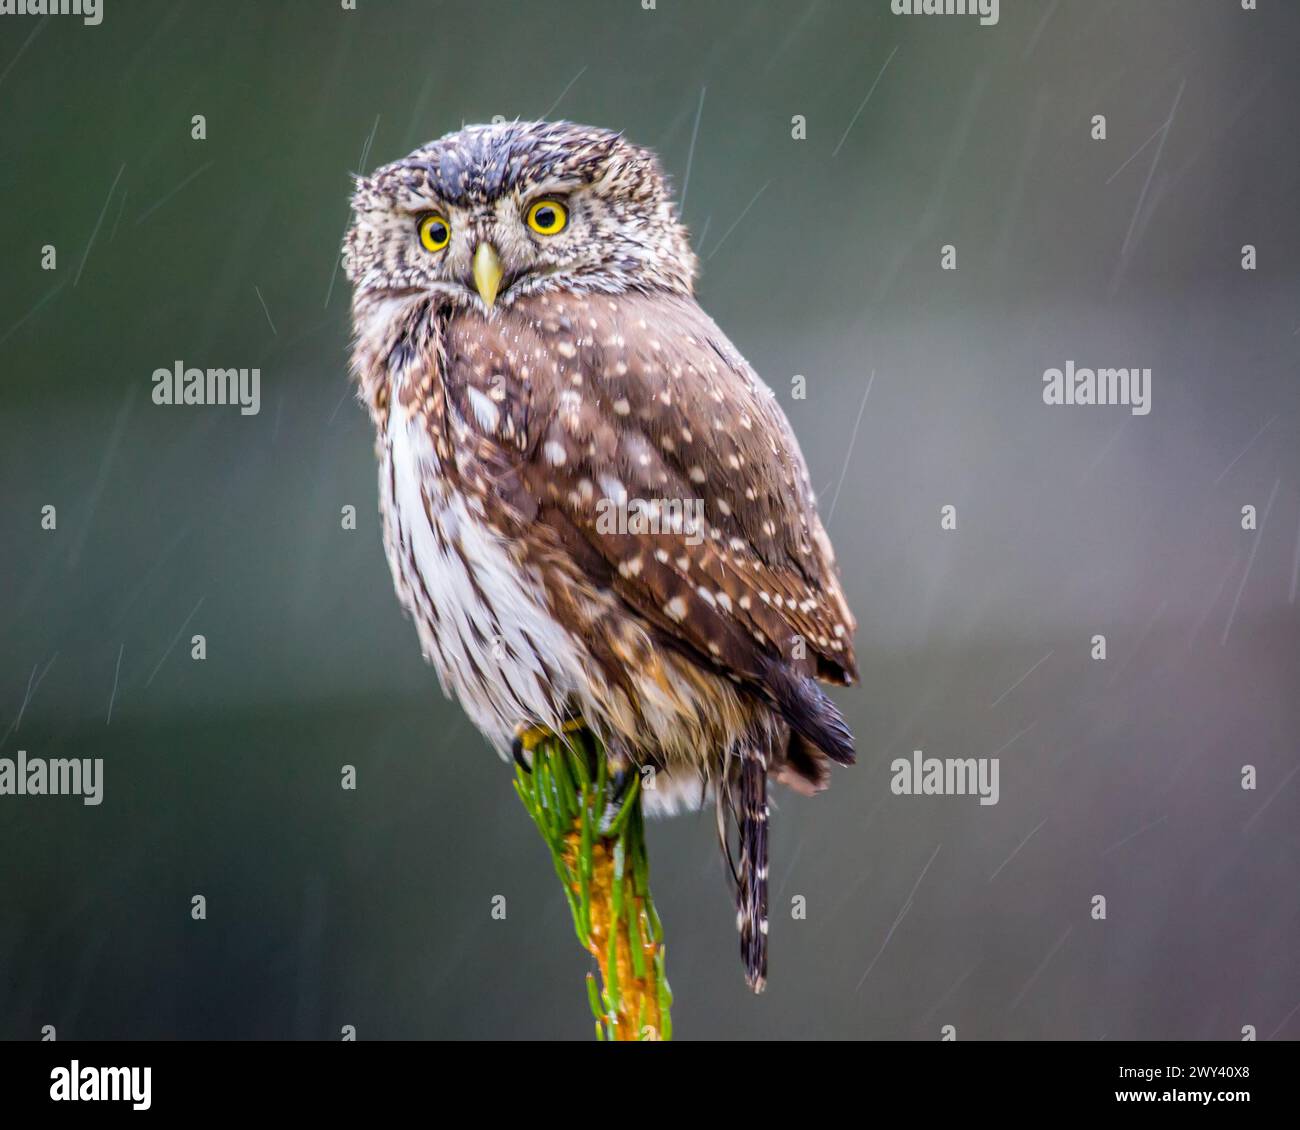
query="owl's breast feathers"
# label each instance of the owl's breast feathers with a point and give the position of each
(625, 446)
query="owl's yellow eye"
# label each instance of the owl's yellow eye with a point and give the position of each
(548, 217)
(435, 232)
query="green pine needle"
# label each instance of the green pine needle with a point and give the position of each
(597, 844)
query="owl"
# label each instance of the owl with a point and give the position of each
(594, 510)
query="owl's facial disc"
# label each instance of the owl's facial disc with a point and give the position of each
(489, 214)
(494, 250)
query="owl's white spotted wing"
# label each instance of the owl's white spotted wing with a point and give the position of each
(617, 421)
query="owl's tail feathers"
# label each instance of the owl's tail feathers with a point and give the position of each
(810, 712)
(805, 768)
(751, 876)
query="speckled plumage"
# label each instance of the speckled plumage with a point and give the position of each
(505, 434)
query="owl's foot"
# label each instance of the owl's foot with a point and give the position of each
(528, 738)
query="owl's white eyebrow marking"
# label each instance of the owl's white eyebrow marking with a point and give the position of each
(555, 186)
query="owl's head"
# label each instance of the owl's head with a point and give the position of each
(493, 212)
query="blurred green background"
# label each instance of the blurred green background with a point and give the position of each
(820, 258)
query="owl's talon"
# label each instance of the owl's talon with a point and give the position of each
(528, 738)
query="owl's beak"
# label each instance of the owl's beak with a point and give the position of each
(487, 272)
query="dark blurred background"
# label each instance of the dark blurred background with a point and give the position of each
(820, 258)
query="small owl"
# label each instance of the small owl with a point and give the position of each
(592, 506)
